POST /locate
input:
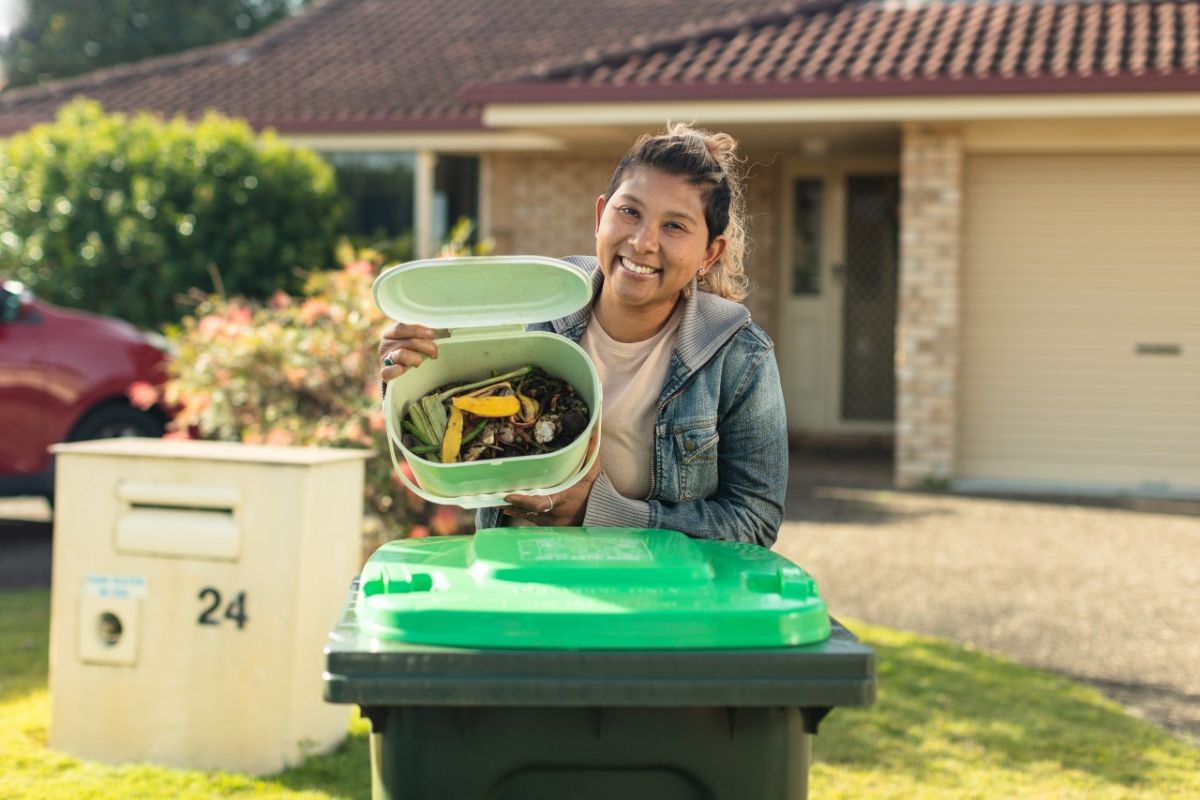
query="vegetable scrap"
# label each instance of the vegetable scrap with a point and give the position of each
(524, 412)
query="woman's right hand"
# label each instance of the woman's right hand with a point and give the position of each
(404, 346)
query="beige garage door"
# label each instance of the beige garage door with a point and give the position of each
(1080, 357)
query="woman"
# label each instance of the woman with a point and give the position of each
(695, 438)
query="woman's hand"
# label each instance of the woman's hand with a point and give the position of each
(564, 509)
(404, 346)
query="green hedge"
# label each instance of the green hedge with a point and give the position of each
(123, 215)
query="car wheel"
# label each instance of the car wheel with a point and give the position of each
(108, 422)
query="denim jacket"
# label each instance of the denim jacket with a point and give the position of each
(720, 439)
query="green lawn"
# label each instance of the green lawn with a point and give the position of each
(949, 723)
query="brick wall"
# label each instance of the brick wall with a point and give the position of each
(762, 264)
(927, 317)
(545, 203)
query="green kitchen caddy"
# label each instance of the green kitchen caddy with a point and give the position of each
(485, 302)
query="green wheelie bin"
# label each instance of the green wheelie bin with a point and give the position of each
(590, 663)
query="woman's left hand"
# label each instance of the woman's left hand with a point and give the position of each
(564, 509)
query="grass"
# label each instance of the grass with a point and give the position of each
(949, 723)
(956, 723)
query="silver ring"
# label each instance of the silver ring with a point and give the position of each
(551, 507)
(387, 361)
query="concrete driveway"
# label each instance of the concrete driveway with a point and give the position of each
(25, 542)
(1102, 592)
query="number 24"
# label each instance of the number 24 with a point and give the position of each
(236, 610)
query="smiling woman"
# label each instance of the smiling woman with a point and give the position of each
(652, 242)
(695, 438)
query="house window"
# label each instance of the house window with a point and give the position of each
(378, 187)
(455, 194)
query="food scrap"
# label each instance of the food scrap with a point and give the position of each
(526, 411)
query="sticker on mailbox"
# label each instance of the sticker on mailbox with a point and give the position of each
(114, 586)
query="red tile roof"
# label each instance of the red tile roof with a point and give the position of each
(373, 64)
(359, 65)
(884, 47)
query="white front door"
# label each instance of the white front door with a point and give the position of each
(838, 297)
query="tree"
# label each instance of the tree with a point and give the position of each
(60, 38)
(120, 214)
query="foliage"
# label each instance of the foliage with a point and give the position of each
(396, 250)
(460, 241)
(949, 723)
(60, 38)
(120, 214)
(302, 371)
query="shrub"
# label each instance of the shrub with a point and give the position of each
(122, 215)
(302, 371)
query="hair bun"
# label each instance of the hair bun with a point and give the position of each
(722, 147)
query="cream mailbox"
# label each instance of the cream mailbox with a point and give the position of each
(194, 585)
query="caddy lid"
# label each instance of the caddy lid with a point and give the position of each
(481, 291)
(588, 588)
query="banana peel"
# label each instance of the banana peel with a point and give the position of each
(530, 408)
(454, 435)
(502, 406)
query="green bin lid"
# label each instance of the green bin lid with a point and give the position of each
(481, 291)
(588, 588)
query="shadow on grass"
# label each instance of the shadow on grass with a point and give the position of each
(24, 641)
(344, 773)
(1153, 692)
(1176, 710)
(939, 703)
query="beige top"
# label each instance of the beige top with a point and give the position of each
(631, 375)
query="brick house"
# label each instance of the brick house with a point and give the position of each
(974, 222)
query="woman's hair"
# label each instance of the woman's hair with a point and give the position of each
(710, 161)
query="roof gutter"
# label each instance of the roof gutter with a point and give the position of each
(362, 123)
(430, 126)
(565, 92)
(961, 107)
(443, 141)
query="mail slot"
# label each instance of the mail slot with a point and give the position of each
(1158, 349)
(195, 582)
(178, 520)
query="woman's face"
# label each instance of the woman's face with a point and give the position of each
(651, 239)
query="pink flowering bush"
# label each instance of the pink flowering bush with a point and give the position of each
(301, 371)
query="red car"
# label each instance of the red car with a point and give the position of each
(64, 376)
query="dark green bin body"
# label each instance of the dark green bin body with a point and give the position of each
(454, 723)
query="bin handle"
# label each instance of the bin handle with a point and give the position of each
(487, 500)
